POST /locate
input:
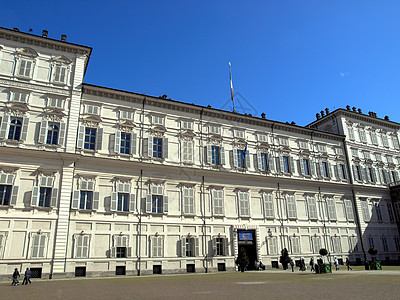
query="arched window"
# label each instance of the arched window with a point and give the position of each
(15, 129)
(52, 134)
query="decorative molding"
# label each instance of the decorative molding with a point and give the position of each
(32, 87)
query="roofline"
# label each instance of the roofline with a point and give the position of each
(357, 114)
(213, 110)
(42, 40)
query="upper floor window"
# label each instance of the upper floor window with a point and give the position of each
(287, 164)
(25, 68)
(86, 198)
(188, 200)
(378, 211)
(365, 210)
(390, 211)
(218, 202)
(126, 115)
(60, 73)
(52, 133)
(363, 137)
(305, 166)
(90, 138)
(374, 138)
(8, 191)
(187, 125)
(389, 159)
(342, 170)
(268, 205)
(349, 210)
(291, 207)
(325, 169)
(187, 150)
(121, 198)
(44, 194)
(339, 151)
(367, 155)
(331, 208)
(312, 207)
(238, 134)
(215, 155)
(215, 129)
(351, 133)
(395, 141)
(322, 148)
(92, 109)
(18, 96)
(244, 204)
(14, 128)
(303, 145)
(384, 138)
(124, 143)
(378, 156)
(156, 201)
(55, 102)
(241, 158)
(284, 141)
(262, 138)
(157, 147)
(157, 120)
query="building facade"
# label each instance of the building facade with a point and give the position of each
(96, 181)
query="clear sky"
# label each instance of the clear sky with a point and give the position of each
(290, 59)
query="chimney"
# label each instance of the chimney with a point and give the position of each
(322, 113)
(63, 38)
(44, 33)
(348, 107)
(354, 108)
(386, 118)
(359, 111)
(263, 115)
(15, 29)
(327, 111)
(318, 116)
(370, 113)
(293, 123)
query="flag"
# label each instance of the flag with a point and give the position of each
(244, 153)
(230, 77)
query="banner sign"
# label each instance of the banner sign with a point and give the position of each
(245, 235)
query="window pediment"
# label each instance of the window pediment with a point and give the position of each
(27, 52)
(91, 119)
(54, 113)
(18, 107)
(158, 129)
(62, 59)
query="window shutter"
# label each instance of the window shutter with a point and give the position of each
(35, 196)
(209, 154)
(292, 169)
(117, 142)
(132, 202)
(14, 195)
(114, 196)
(196, 246)
(99, 138)
(367, 174)
(150, 146)
(248, 160)
(165, 204)
(362, 171)
(312, 167)
(54, 197)
(336, 169)
(96, 200)
(148, 203)
(129, 252)
(61, 136)
(301, 162)
(321, 169)
(214, 246)
(75, 199)
(396, 176)
(281, 163)
(259, 161)
(113, 251)
(271, 163)
(222, 154)
(355, 172)
(4, 126)
(183, 247)
(235, 157)
(81, 136)
(226, 246)
(374, 178)
(133, 143)
(43, 131)
(24, 131)
(165, 148)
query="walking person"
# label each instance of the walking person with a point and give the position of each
(15, 276)
(336, 264)
(348, 264)
(312, 264)
(292, 264)
(27, 277)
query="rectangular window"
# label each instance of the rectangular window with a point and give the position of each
(221, 246)
(342, 171)
(218, 202)
(156, 201)
(157, 204)
(157, 147)
(371, 242)
(395, 141)
(262, 138)
(390, 212)
(322, 148)
(188, 201)
(190, 246)
(272, 245)
(262, 161)
(239, 134)
(367, 155)
(187, 125)
(285, 164)
(268, 205)
(5, 194)
(86, 200)
(90, 138)
(389, 159)
(305, 166)
(339, 151)
(215, 155)
(363, 137)
(354, 152)
(157, 120)
(291, 207)
(353, 244)
(244, 205)
(351, 133)
(126, 115)
(44, 197)
(55, 102)
(397, 243)
(123, 202)
(303, 145)
(295, 243)
(81, 246)
(187, 151)
(385, 141)
(325, 169)
(20, 97)
(125, 143)
(215, 129)
(241, 161)
(38, 246)
(120, 246)
(374, 139)
(316, 242)
(284, 142)
(349, 210)
(25, 68)
(312, 208)
(53, 130)
(365, 210)
(60, 73)
(15, 129)
(92, 109)
(157, 246)
(331, 208)
(378, 211)
(336, 244)
(385, 244)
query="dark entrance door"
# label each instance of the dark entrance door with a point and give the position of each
(247, 241)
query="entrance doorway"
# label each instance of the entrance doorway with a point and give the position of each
(247, 242)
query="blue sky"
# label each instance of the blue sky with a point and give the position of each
(290, 59)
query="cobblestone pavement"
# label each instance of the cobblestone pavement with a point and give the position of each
(250, 285)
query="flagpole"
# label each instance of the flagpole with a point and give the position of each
(230, 77)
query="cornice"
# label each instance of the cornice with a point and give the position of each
(34, 87)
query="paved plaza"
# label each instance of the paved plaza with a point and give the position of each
(250, 285)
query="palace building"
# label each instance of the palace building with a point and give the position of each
(100, 182)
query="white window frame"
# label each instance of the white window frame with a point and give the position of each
(365, 210)
(316, 243)
(295, 245)
(213, 129)
(348, 207)
(80, 249)
(262, 138)
(187, 150)
(336, 244)
(38, 245)
(188, 200)
(31, 67)
(312, 207)
(218, 202)
(60, 73)
(272, 245)
(269, 212)
(186, 125)
(291, 206)
(157, 246)
(243, 203)
(92, 109)
(20, 96)
(331, 208)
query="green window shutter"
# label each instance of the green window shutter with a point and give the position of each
(148, 203)
(117, 142)
(43, 131)
(35, 196)
(222, 155)
(133, 143)
(54, 197)
(14, 195)
(96, 200)
(132, 202)
(24, 131)
(99, 138)
(4, 126)
(75, 199)
(165, 204)
(114, 196)
(81, 136)
(183, 247)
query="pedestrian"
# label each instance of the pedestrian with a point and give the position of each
(312, 264)
(27, 277)
(336, 264)
(303, 264)
(292, 264)
(348, 264)
(15, 276)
